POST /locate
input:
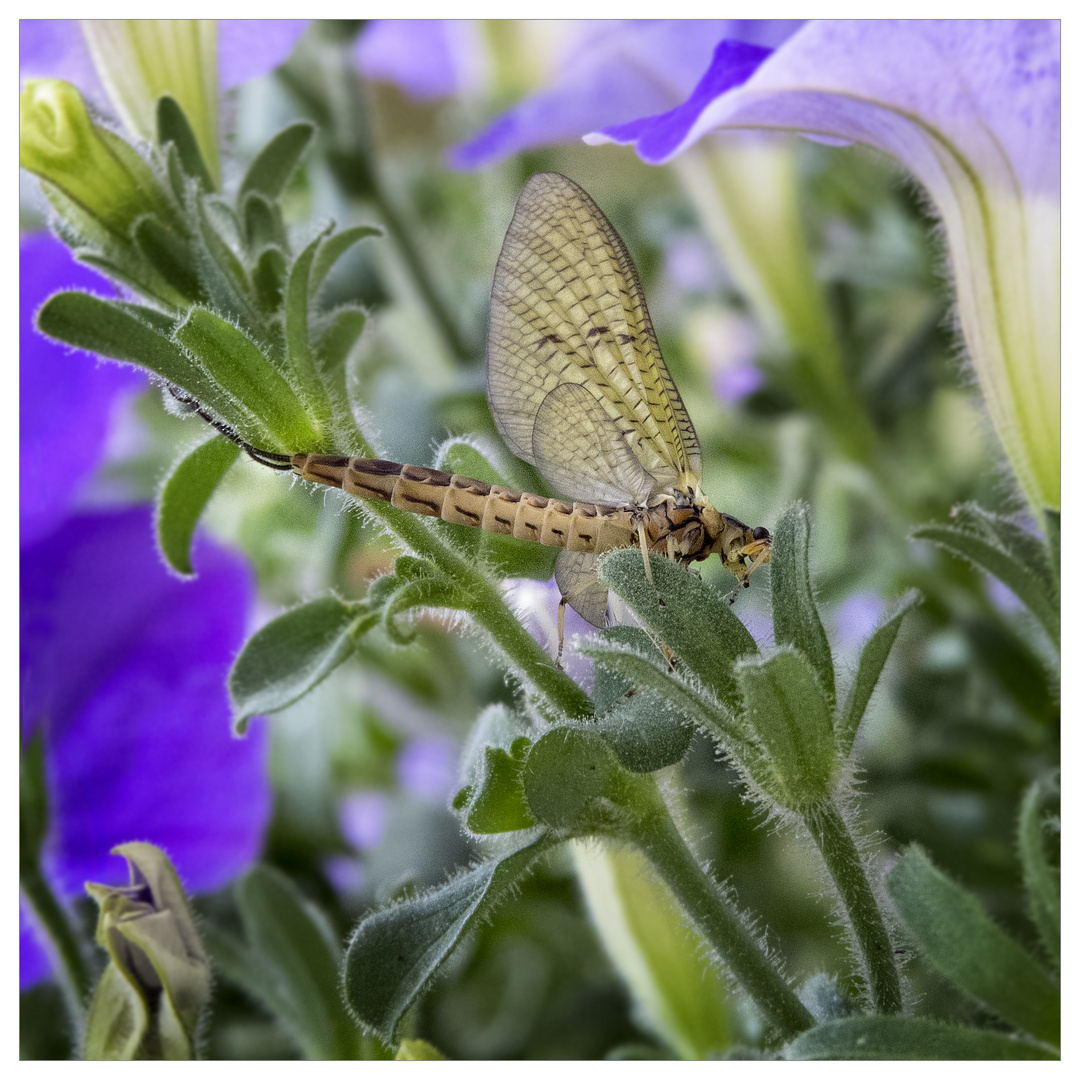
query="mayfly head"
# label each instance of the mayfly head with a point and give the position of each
(742, 548)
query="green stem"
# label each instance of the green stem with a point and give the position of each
(718, 920)
(334, 95)
(834, 841)
(525, 655)
(71, 971)
(422, 280)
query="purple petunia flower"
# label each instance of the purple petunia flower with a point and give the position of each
(123, 672)
(64, 401)
(615, 72)
(973, 110)
(427, 58)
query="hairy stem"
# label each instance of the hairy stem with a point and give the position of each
(742, 954)
(834, 841)
(71, 970)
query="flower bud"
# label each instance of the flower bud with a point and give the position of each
(157, 982)
(93, 168)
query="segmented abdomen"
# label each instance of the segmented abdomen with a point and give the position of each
(464, 501)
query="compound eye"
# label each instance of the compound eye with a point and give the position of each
(761, 533)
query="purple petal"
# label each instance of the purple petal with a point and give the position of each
(124, 666)
(990, 89)
(616, 72)
(362, 819)
(65, 399)
(857, 618)
(657, 137)
(56, 49)
(427, 58)
(251, 47)
(34, 963)
(733, 384)
(428, 768)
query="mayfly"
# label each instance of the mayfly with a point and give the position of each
(579, 389)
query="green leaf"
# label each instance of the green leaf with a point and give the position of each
(688, 615)
(792, 720)
(301, 361)
(220, 270)
(263, 224)
(955, 934)
(275, 163)
(684, 692)
(1017, 566)
(795, 616)
(173, 127)
(268, 279)
(333, 247)
(237, 364)
(566, 770)
(909, 1038)
(288, 962)
(126, 332)
(437, 592)
(168, 253)
(184, 495)
(497, 803)
(871, 663)
(609, 686)
(1053, 544)
(292, 654)
(336, 334)
(395, 953)
(1042, 879)
(646, 731)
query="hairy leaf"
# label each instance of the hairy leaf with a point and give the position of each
(184, 496)
(288, 961)
(795, 615)
(690, 616)
(276, 161)
(955, 934)
(1042, 879)
(871, 662)
(292, 654)
(173, 127)
(396, 952)
(792, 720)
(909, 1038)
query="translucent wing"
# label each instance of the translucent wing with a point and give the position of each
(575, 574)
(575, 377)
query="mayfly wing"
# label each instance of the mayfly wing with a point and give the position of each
(575, 575)
(576, 381)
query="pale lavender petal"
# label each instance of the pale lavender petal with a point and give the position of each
(251, 47)
(616, 72)
(65, 399)
(657, 137)
(56, 49)
(427, 58)
(123, 668)
(857, 617)
(428, 768)
(362, 819)
(732, 384)
(537, 605)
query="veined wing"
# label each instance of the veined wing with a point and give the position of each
(576, 381)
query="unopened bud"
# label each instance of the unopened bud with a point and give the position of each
(157, 981)
(92, 167)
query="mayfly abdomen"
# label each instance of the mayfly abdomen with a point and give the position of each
(576, 526)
